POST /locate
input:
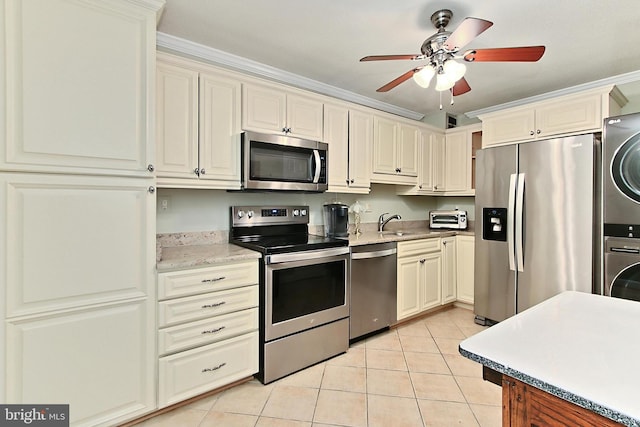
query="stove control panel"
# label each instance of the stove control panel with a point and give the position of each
(243, 216)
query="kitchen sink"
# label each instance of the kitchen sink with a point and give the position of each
(397, 233)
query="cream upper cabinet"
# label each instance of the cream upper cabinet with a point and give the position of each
(465, 250)
(198, 126)
(78, 90)
(276, 110)
(449, 273)
(395, 152)
(348, 134)
(565, 115)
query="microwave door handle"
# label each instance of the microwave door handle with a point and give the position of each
(318, 166)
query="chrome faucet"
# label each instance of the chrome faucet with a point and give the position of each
(382, 222)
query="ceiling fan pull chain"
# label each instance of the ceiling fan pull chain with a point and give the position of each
(440, 94)
(451, 92)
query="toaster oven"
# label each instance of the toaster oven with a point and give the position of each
(455, 220)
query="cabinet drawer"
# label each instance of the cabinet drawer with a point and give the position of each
(197, 281)
(416, 247)
(197, 307)
(193, 334)
(196, 371)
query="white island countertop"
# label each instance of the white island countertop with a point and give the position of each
(580, 347)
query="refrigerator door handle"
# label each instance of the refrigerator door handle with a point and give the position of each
(519, 222)
(510, 221)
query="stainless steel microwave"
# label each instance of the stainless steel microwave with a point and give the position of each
(275, 162)
(454, 220)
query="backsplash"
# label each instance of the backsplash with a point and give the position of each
(190, 210)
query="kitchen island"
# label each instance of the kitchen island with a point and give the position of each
(569, 360)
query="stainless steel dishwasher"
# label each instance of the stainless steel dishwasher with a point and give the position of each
(373, 288)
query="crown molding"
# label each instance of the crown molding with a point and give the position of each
(631, 77)
(247, 66)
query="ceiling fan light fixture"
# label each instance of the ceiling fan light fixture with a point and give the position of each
(444, 82)
(424, 76)
(454, 69)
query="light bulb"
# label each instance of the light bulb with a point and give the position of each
(424, 76)
(454, 70)
(444, 82)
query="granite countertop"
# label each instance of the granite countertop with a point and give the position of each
(186, 256)
(576, 346)
(178, 251)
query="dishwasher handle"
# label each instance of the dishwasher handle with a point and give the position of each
(373, 254)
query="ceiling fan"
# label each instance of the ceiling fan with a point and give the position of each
(442, 49)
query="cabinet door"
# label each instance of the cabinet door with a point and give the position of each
(457, 162)
(385, 144)
(336, 134)
(582, 113)
(80, 86)
(176, 121)
(437, 154)
(360, 142)
(425, 162)
(410, 279)
(75, 240)
(448, 269)
(263, 109)
(465, 268)
(219, 140)
(304, 117)
(408, 150)
(99, 361)
(431, 283)
(513, 126)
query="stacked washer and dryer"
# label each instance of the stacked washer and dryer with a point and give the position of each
(621, 203)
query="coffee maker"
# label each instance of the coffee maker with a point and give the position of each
(336, 220)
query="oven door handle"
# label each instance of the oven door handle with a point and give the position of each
(305, 255)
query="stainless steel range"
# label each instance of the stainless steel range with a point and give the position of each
(304, 288)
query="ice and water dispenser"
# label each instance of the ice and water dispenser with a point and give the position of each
(494, 224)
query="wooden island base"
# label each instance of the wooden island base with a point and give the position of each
(525, 405)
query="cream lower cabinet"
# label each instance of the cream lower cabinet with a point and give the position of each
(198, 126)
(208, 328)
(78, 258)
(449, 273)
(419, 276)
(465, 250)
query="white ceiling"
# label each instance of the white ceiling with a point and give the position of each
(586, 41)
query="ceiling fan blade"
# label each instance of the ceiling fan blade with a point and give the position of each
(468, 30)
(393, 83)
(461, 87)
(505, 54)
(390, 57)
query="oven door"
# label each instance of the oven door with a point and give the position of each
(304, 290)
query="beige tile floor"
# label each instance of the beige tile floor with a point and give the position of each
(410, 376)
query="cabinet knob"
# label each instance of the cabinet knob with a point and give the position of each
(420, 186)
(352, 181)
(538, 131)
(196, 171)
(422, 261)
(435, 187)
(152, 189)
(202, 171)
(531, 133)
(150, 168)
(347, 181)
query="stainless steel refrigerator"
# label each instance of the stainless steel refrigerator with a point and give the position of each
(537, 223)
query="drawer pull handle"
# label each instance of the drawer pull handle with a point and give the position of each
(216, 279)
(213, 331)
(215, 368)
(217, 304)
